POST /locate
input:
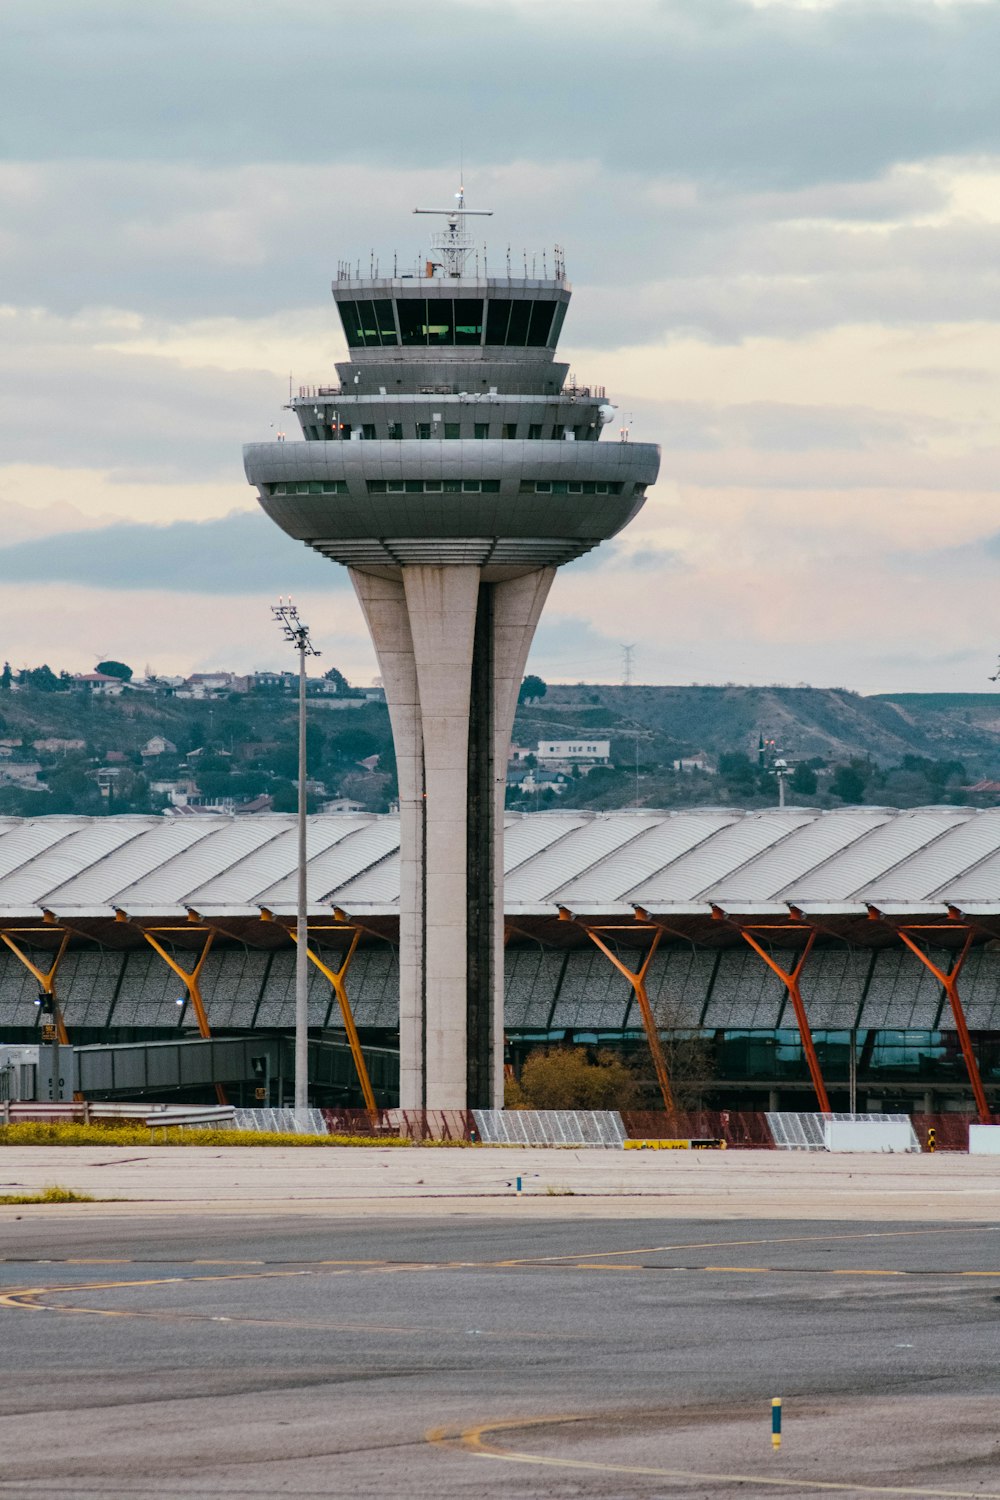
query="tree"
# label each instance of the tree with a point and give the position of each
(849, 782)
(115, 669)
(533, 689)
(341, 681)
(803, 780)
(42, 679)
(6, 677)
(566, 1078)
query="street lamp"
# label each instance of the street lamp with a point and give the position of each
(287, 616)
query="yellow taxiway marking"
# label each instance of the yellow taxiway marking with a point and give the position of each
(784, 1239)
(28, 1298)
(475, 1440)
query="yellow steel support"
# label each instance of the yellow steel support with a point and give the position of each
(46, 978)
(338, 981)
(190, 980)
(638, 982)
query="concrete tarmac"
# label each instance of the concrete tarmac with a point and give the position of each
(568, 1183)
(489, 1345)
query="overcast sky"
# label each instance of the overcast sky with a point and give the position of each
(782, 225)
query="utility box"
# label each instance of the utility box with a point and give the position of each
(17, 1073)
(47, 1089)
(869, 1135)
(984, 1140)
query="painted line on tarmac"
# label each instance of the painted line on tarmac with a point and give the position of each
(785, 1239)
(476, 1441)
(28, 1299)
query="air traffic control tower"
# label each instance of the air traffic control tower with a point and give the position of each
(452, 470)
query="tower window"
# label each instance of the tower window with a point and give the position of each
(368, 430)
(423, 429)
(510, 429)
(452, 429)
(395, 429)
(535, 430)
(482, 429)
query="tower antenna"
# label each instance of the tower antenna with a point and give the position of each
(453, 243)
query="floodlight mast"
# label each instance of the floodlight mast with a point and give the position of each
(287, 616)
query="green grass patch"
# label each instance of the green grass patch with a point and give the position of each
(51, 1194)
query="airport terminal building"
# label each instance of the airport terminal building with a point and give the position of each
(785, 942)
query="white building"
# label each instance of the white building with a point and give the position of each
(573, 752)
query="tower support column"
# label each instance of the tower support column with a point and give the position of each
(451, 651)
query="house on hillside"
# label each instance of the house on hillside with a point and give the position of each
(583, 753)
(212, 685)
(55, 746)
(699, 761)
(23, 774)
(98, 684)
(158, 744)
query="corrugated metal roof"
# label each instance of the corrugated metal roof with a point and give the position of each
(923, 859)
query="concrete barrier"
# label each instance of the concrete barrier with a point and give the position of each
(984, 1140)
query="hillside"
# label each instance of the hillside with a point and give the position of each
(903, 751)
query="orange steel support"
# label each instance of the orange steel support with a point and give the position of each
(950, 984)
(190, 980)
(46, 978)
(338, 978)
(638, 983)
(791, 983)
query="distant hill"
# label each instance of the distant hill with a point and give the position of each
(831, 723)
(907, 749)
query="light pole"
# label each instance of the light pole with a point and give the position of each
(293, 629)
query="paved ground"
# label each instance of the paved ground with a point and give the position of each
(569, 1183)
(490, 1346)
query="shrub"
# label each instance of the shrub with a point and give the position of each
(569, 1078)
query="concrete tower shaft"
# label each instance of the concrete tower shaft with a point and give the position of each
(452, 469)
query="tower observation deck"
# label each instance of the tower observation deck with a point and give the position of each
(452, 469)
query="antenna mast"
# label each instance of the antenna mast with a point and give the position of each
(453, 243)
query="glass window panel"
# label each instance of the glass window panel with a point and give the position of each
(368, 430)
(395, 486)
(470, 486)
(535, 430)
(414, 486)
(497, 315)
(491, 486)
(452, 430)
(452, 486)
(510, 429)
(440, 322)
(376, 486)
(468, 320)
(559, 487)
(423, 429)
(517, 330)
(369, 327)
(395, 429)
(482, 429)
(543, 487)
(432, 486)
(412, 320)
(541, 322)
(589, 488)
(386, 322)
(557, 323)
(352, 329)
